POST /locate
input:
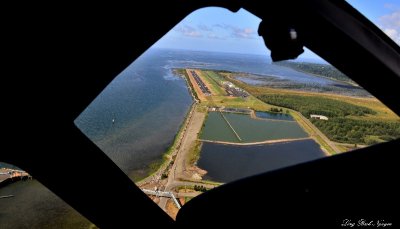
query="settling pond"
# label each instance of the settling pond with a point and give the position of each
(250, 130)
(226, 163)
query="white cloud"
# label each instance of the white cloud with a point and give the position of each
(390, 24)
(394, 34)
(205, 28)
(237, 32)
(391, 20)
(215, 36)
(188, 31)
(246, 33)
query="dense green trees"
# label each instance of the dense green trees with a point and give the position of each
(308, 105)
(358, 131)
(339, 127)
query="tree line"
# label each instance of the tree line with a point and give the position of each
(308, 105)
(358, 131)
(339, 127)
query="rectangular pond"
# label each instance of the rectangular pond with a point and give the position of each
(248, 129)
(226, 163)
(277, 116)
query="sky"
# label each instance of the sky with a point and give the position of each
(220, 30)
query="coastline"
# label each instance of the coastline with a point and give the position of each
(8, 176)
(168, 156)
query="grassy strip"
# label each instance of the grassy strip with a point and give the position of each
(214, 86)
(209, 182)
(216, 77)
(195, 149)
(194, 152)
(323, 144)
(187, 199)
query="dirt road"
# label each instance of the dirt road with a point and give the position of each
(189, 137)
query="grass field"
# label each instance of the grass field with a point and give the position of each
(215, 87)
(353, 120)
(219, 98)
(382, 112)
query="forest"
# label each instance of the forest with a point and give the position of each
(358, 131)
(308, 105)
(340, 127)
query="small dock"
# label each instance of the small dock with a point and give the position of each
(10, 175)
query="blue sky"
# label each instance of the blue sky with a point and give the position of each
(220, 30)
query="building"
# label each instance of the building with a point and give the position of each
(322, 117)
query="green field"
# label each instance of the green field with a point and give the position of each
(248, 129)
(308, 105)
(215, 76)
(353, 120)
(211, 78)
(348, 123)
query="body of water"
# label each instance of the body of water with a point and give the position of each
(277, 116)
(300, 82)
(34, 206)
(226, 163)
(247, 63)
(147, 103)
(249, 130)
(6, 165)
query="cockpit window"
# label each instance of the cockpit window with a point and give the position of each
(205, 105)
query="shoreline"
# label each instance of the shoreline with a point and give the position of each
(167, 156)
(178, 168)
(9, 176)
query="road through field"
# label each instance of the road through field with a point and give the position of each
(317, 132)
